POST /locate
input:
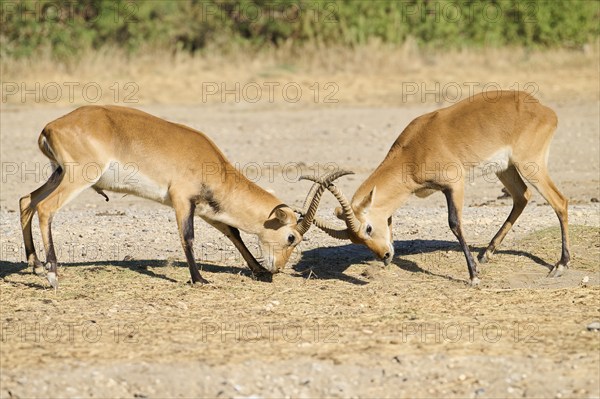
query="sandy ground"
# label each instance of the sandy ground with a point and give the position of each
(335, 322)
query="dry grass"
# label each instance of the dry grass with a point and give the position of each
(375, 75)
(143, 310)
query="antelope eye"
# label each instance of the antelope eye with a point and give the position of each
(291, 239)
(369, 229)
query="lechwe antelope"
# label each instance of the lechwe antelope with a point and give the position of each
(174, 165)
(509, 128)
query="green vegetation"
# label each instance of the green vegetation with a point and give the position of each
(66, 28)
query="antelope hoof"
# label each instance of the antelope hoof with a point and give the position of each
(38, 268)
(265, 277)
(52, 279)
(558, 270)
(485, 257)
(198, 280)
(475, 282)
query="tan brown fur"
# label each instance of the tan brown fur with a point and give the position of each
(127, 150)
(508, 124)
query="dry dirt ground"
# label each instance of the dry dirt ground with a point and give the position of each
(336, 323)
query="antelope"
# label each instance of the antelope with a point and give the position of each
(510, 128)
(174, 165)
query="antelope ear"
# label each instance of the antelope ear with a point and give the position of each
(366, 202)
(339, 213)
(285, 215)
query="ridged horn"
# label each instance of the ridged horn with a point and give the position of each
(315, 194)
(351, 220)
(330, 229)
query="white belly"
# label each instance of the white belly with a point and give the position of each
(126, 178)
(499, 160)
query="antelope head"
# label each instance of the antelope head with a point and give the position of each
(365, 224)
(283, 231)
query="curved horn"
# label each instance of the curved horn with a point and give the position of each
(311, 210)
(309, 197)
(351, 219)
(319, 181)
(330, 229)
(353, 222)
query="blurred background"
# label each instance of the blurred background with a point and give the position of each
(371, 52)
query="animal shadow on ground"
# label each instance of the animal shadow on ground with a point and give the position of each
(323, 263)
(416, 247)
(138, 266)
(332, 262)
